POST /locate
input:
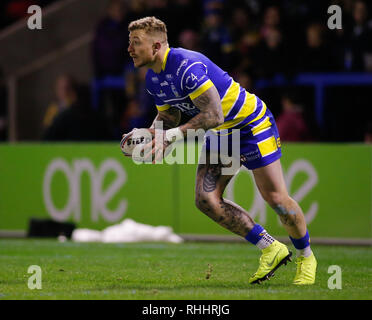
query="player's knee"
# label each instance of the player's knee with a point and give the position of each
(279, 203)
(275, 199)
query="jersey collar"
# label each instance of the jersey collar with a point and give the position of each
(165, 59)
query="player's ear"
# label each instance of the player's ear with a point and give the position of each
(156, 47)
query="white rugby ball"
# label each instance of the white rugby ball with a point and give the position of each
(137, 138)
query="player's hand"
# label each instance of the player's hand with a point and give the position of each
(158, 145)
(125, 134)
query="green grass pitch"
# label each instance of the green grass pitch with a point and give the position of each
(189, 271)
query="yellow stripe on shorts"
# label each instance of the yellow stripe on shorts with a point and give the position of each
(267, 146)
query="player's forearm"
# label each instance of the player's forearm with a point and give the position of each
(170, 119)
(204, 120)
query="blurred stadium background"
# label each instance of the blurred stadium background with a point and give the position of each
(69, 91)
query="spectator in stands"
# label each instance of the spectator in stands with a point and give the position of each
(270, 56)
(291, 122)
(178, 10)
(245, 80)
(77, 122)
(110, 58)
(240, 23)
(189, 39)
(216, 41)
(317, 55)
(245, 37)
(136, 9)
(140, 111)
(158, 8)
(210, 6)
(110, 42)
(65, 94)
(360, 37)
(245, 49)
(271, 19)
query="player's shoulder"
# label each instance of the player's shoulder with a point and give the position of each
(187, 64)
(181, 53)
(181, 59)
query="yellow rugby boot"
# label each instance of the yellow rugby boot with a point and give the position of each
(306, 270)
(271, 259)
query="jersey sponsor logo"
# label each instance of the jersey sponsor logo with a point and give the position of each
(174, 90)
(185, 72)
(161, 94)
(190, 84)
(164, 83)
(182, 64)
(278, 143)
(192, 87)
(202, 78)
(191, 81)
(155, 79)
(250, 156)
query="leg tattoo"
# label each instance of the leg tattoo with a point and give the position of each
(210, 201)
(211, 178)
(287, 217)
(234, 218)
(292, 218)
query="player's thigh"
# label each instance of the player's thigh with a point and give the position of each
(270, 182)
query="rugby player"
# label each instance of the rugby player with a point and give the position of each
(181, 80)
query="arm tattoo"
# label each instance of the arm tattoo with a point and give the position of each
(210, 116)
(202, 100)
(170, 118)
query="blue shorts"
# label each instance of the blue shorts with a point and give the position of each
(256, 144)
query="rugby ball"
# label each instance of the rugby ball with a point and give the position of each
(133, 142)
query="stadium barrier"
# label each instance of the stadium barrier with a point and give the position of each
(94, 186)
(319, 81)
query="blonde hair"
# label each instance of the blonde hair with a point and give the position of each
(151, 25)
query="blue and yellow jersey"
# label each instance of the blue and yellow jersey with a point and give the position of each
(186, 74)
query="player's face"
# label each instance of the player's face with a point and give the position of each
(140, 48)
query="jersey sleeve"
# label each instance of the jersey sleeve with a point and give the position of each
(195, 80)
(160, 105)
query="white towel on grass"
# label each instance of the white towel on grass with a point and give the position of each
(127, 231)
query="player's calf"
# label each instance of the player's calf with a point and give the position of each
(226, 213)
(289, 212)
(292, 218)
(207, 204)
